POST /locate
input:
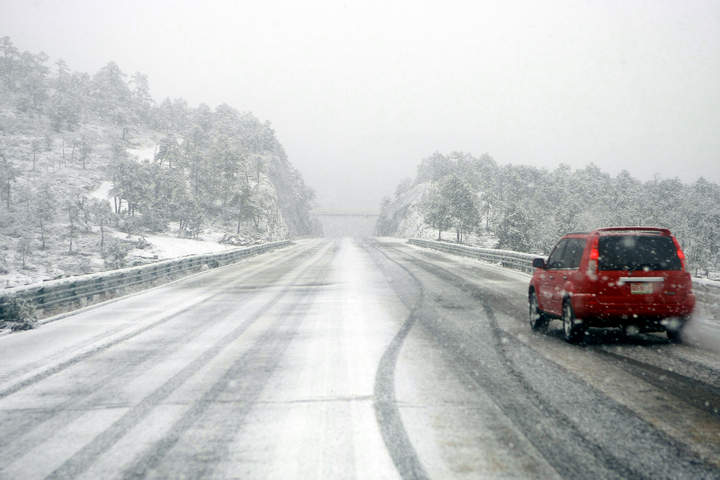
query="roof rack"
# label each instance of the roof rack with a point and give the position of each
(656, 230)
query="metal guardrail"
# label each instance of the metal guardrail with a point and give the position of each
(505, 258)
(521, 261)
(57, 296)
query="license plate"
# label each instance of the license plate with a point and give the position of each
(641, 288)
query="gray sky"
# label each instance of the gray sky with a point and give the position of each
(359, 92)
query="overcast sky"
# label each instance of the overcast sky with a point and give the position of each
(359, 92)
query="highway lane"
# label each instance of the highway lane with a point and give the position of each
(348, 359)
(614, 408)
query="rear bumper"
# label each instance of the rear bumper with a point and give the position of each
(588, 306)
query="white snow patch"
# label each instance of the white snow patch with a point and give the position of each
(146, 153)
(103, 191)
(707, 282)
(170, 247)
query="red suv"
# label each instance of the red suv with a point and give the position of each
(628, 277)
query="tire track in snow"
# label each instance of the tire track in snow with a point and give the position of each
(615, 463)
(255, 368)
(388, 416)
(34, 426)
(701, 395)
(84, 458)
(105, 346)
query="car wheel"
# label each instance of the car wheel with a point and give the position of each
(573, 330)
(538, 320)
(674, 330)
(629, 330)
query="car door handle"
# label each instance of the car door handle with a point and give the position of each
(564, 277)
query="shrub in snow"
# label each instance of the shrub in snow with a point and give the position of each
(115, 254)
(23, 250)
(19, 314)
(239, 240)
(82, 265)
(129, 225)
(142, 243)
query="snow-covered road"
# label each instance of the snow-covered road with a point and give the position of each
(349, 359)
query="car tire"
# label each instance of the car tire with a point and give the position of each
(675, 332)
(538, 320)
(629, 330)
(573, 330)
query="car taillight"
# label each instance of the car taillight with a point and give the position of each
(680, 253)
(592, 267)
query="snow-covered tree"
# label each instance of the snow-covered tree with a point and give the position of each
(436, 209)
(464, 214)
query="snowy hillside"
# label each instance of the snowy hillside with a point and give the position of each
(527, 209)
(94, 174)
(403, 217)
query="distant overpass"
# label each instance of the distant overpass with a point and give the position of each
(347, 223)
(324, 212)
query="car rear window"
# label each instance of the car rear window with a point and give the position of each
(637, 252)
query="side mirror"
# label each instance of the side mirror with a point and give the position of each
(539, 263)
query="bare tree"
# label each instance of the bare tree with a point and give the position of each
(101, 213)
(36, 148)
(44, 206)
(72, 213)
(8, 174)
(23, 250)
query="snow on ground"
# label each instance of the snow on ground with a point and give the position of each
(55, 262)
(707, 281)
(164, 246)
(517, 274)
(102, 192)
(144, 153)
(168, 247)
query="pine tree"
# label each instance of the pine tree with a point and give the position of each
(44, 209)
(8, 174)
(464, 213)
(436, 210)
